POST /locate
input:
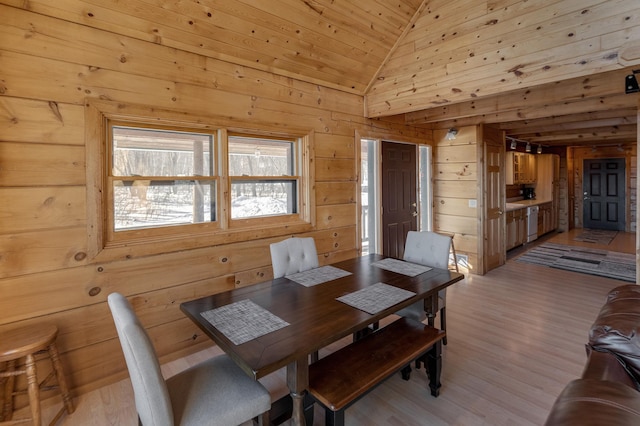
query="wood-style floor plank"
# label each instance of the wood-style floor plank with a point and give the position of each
(515, 338)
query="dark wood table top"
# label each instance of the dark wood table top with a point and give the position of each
(316, 318)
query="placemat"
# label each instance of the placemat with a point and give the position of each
(243, 321)
(318, 275)
(401, 267)
(376, 298)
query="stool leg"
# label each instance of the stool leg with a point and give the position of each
(7, 406)
(33, 389)
(62, 382)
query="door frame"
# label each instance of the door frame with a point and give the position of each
(575, 173)
(426, 209)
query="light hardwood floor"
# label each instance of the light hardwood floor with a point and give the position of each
(515, 338)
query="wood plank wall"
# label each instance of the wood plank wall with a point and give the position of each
(563, 202)
(455, 182)
(50, 66)
(576, 157)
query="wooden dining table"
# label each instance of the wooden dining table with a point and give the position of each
(314, 317)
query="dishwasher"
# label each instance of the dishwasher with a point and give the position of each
(532, 223)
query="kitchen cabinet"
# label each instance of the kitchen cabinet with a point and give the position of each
(516, 224)
(521, 168)
(546, 219)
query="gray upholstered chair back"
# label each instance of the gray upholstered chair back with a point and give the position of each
(293, 255)
(150, 389)
(428, 248)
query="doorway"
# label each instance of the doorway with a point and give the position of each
(604, 194)
(395, 194)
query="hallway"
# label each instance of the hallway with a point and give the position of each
(623, 242)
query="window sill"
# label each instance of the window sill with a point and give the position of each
(141, 247)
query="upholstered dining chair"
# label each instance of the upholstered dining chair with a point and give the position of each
(429, 249)
(293, 255)
(214, 392)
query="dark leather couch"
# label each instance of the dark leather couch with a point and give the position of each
(608, 393)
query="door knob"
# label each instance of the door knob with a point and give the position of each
(414, 214)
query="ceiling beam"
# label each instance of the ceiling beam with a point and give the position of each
(618, 117)
(524, 102)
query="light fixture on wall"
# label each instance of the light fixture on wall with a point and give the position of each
(539, 151)
(528, 147)
(514, 144)
(631, 84)
(451, 134)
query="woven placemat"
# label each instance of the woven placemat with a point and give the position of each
(319, 275)
(401, 267)
(376, 298)
(243, 321)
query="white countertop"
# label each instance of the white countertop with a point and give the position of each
(521, 204)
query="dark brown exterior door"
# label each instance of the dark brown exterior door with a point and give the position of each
(604, 198)
(399, 196)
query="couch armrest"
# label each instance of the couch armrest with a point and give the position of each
(617, 329)
(590, 402)
(605, 366)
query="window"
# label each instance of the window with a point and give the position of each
(425, 198)
(161, 177)
(263, 176)
(155, 178)
(369, 203)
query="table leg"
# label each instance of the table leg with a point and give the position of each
(434, 367)
(298, 381)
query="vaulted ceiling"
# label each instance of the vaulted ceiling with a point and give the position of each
(548, 71)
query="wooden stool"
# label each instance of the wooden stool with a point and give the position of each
(26, 342)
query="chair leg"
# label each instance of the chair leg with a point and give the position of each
(33, 389)
(422, 359)
(7, 407)
(62, 381)
(406, 372)
(263, 419)
(443, 323)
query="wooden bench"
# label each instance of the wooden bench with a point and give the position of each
(341, 378)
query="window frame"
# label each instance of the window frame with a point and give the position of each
(295, 177)
(105, 243)
(162, 230)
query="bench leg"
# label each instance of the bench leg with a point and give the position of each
(434, 367)
(333, 418)
(309, 407)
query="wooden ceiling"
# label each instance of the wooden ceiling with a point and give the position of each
(548, 71)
